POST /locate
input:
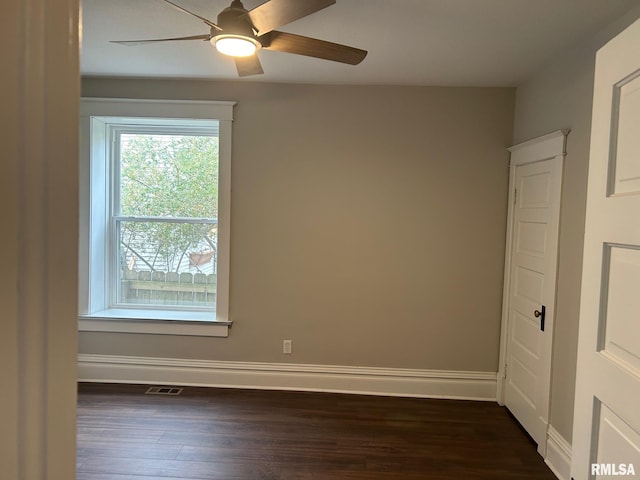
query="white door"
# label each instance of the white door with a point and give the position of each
(531, 279)
(606, 432)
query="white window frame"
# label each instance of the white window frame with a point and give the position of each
(97, 117)
(114, 130)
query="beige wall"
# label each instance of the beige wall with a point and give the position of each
(560, 96)
(368, 224)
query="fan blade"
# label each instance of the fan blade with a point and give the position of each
(312, 47)
(205, 20)
(275, 13)
(133, 43)
(247, 66)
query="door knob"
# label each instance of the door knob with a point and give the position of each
(541, 314)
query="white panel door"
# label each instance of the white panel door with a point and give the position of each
(606, 432)
(534, 238)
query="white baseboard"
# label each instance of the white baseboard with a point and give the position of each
(285, 376)
(558, 457)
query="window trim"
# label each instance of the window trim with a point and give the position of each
(94, 311)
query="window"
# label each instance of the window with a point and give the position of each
(154, 246)
(163, 224)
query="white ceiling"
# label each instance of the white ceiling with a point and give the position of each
(410, 42)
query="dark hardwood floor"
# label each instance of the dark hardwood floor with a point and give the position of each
(211, 434)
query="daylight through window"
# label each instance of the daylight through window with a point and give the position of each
(165, 218)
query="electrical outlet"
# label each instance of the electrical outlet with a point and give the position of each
(286, 346)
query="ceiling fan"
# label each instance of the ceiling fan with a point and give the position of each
(240, 33)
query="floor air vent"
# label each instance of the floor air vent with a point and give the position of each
(163, 391)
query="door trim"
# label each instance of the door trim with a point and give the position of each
(547, 147)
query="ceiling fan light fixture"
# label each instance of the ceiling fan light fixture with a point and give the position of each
(235, 45)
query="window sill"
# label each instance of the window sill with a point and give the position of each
(154, 322)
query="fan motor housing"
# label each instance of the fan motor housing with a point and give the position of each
(233, 20)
